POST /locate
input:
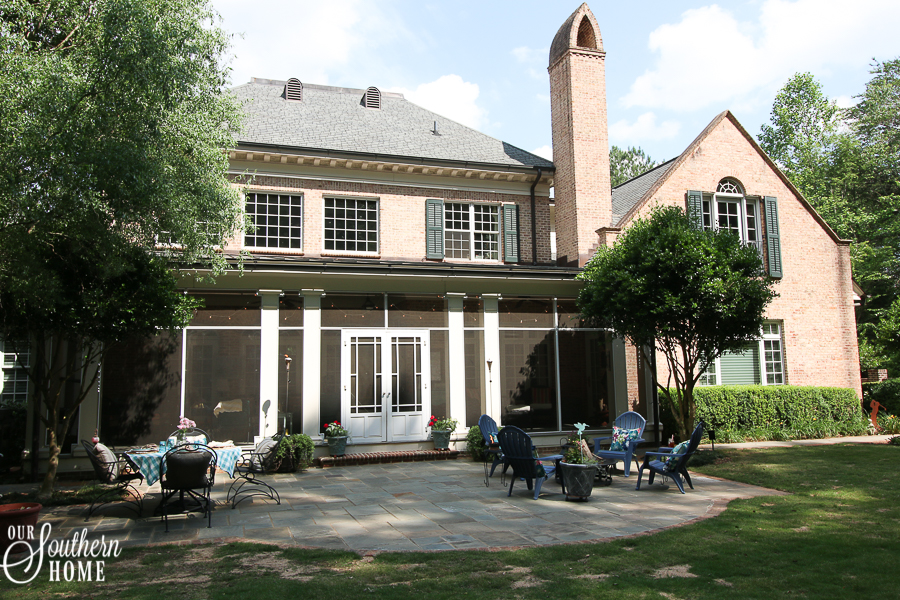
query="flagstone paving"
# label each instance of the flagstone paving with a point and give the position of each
(440, 505)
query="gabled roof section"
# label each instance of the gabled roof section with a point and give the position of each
(626, 195)
(689, 151)
(334, 119)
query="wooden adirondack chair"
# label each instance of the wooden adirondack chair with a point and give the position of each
(677, 472)
(519, 453)
(488, 428)
(628, 420)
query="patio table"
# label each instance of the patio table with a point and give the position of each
(148, 461)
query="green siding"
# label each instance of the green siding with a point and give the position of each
(740, 368)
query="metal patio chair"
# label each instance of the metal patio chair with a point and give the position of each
(254, 463)
(111, 471)
(188, 469)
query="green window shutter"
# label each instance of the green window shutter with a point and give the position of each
(511, 233)
(434, 228)
(695, 208)
(740, 368)
(773, 237)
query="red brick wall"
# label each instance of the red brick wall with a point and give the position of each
(401, 215)
(815, 295)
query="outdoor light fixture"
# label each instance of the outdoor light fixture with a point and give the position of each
(368, 304)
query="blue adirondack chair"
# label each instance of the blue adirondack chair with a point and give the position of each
(519, 453)
(488, 428)
(676, 472)
(628, 420)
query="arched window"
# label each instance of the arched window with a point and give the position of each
(293, 90)
(372, 98)
(730, 209)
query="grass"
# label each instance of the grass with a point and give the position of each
(834, 536)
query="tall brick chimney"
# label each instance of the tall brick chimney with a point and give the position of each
(580, 139)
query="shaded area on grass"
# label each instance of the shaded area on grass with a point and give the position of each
(833, 536)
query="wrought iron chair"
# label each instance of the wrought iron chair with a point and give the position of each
(628, 420)
(672, 462)
(488, 428)
(111, 471)
(191, 469)
(521, 455)
(256, 462)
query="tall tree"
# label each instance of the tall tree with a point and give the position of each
(627, 164)
(691, 294)
(113, 124)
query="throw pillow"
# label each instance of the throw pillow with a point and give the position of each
(621, 438)
(110, 463)
(672, 461)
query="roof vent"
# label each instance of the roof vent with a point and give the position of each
(435, 130)
(293, 90)
(372, 98)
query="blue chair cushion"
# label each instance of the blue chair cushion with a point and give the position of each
(679, 449)
(621, 437)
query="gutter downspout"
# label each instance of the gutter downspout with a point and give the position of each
(533, 222)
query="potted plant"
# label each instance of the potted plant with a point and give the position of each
(293, 452)
(336, 436)
(15, 519)
(441, 430)
(578, 468)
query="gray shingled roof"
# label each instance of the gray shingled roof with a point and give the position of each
(333, 119)
(626, 195)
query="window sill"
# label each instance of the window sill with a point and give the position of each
(286, 251)
(332, 254)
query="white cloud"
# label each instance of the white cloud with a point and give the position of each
(450, 97)
(544, 151)
(709, 57)
(645, 128)
(845, 101)
(309, 40)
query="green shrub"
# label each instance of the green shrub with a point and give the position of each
(894, 441)
(886, 393)
(475, 443)
(888, 423)
(293, 452)
(740, 413)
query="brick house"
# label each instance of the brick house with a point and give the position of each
(403, 265)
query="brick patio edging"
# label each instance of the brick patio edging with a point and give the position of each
(371, 458)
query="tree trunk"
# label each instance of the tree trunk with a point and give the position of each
(52, 464)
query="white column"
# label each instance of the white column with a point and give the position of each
(268, 363)
(492, 354)
(312, 360)
(456, 339)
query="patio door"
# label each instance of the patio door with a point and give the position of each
(385, 384)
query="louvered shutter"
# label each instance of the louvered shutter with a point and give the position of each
(773, 237)
(434, 228)
(695, 208)
(511, 233)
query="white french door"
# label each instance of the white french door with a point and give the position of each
(385, 384)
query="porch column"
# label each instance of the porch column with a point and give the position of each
(492, 354)
(619, 402)
(268, 363)
(456, 339)
(312, 360)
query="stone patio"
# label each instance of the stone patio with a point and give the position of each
(429, 505)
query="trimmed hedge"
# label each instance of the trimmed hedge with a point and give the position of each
(886, 393)
(740, 413)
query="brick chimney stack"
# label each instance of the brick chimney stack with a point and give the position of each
(580, 138)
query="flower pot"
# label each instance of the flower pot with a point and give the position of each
(14, 519)
(578, 480)
(441, 439)
(337, 444)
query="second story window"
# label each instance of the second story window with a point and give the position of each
(472, 231)
(729, 209)
(351, 225)
(14, 360)
(276, 221)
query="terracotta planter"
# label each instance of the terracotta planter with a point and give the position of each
(18, 516)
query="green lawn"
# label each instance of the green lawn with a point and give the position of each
(835, 536)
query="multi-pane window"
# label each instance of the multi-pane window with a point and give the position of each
(276, 221)
(773, 360)
(729, 209)
(709, 376)
(351, 225)
(472, 231)
(14, 383)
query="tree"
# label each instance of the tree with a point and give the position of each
(627, 164)
(114, 122)
(692, 294)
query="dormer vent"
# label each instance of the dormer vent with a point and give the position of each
(372, 98)
(293, 90)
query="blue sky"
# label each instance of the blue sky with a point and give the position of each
(671, 66)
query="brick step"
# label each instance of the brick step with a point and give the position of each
(371, 458)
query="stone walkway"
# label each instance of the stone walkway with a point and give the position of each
(439, 505)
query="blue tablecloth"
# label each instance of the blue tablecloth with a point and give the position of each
(148, 462)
